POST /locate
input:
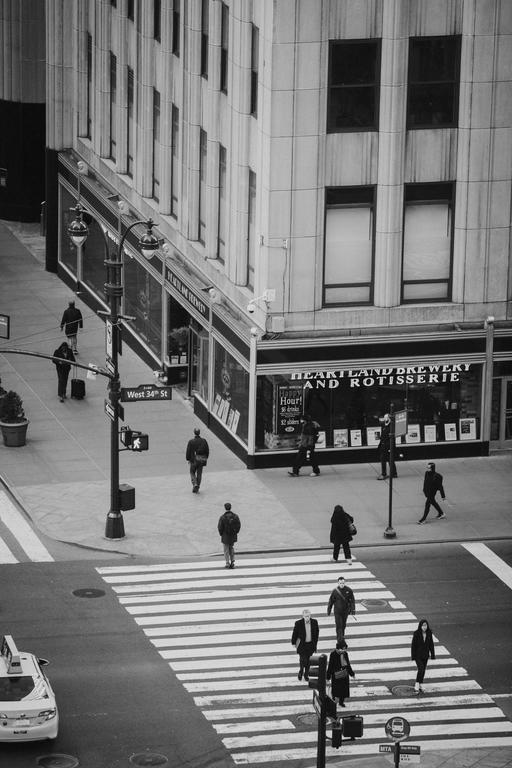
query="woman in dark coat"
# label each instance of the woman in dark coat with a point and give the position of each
(338, 671)
(64, 353)
(340, 533)
(422, 646)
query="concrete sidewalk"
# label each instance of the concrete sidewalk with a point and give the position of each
(61, 477)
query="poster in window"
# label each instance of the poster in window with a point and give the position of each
(340, 438)
(430, 433)
(372, 436)
(290, 404)
(320, 443)
(413, 433)
(216, 404)
(450, 431)
(467, 429)
(229, 420)
(224, 410)
(236, 419)
(355, 437)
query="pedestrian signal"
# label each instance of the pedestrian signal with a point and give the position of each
(317, 673)
(139, 442)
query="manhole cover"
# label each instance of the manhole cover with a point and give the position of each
(148, 758)
(403, 690)
(307, 719)
(88, 592)
(57, 761)
(375, 603)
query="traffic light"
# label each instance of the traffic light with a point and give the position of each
(336, 735)
(139, 442)
(317, 673)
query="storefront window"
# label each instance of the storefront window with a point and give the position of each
(231, 393)
(68, 251)
(199, 368)
(442, 402)
(94, 252)
(143, 300)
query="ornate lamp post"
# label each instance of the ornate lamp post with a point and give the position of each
(148, 244)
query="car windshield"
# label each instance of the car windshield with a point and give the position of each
(15, 688)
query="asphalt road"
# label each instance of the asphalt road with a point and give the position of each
(118, 697)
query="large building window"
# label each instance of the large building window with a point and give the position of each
(203, 142)
(156, 145)
(130, 125)
(255, 44)
(175, 41)
(175, 134)
(90, 92)
(205, 26)
(221, 236)
(433, 86)
(428, 238)
(157, 19)
(224, 40)
(251, 230)
(113, 100)
(354, 74)
(130, 9)
(349, 245)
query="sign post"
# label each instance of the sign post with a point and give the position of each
(397, 729)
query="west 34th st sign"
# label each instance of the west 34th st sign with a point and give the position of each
(145, 392)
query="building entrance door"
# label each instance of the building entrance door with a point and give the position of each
(501, 412)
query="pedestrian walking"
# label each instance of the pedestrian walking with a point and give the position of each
(63, 364)
(229, 527)
(432, 483)
(344, 604)
(339, 671)
(384, 449)
(342, 532)
(71, 321)
(422, 646)
(197, 454)
(306, 451)
(305, 639)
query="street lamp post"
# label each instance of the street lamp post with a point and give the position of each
(390, 532)
(148, 244)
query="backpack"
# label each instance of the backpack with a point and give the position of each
(231, 524)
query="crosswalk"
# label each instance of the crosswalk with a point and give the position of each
(18, 541)
(226, 635)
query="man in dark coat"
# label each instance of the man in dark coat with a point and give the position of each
(432, 483)
(384, 448)
(343, 601)
(197, 454)
(306, 452)
(229, 528)
(305, 639)
(71, 321)
(63, 364)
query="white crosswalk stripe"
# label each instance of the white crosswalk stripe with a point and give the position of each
(30, 546)
(226, 636)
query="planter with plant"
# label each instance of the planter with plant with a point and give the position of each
(12, 420)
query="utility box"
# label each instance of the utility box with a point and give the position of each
(126, 497)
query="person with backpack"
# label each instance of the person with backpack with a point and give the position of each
(71, 321)
(306, 451)
(229, 527)
(62, 358)
(343, 601)
(432, 483)
(197, 454)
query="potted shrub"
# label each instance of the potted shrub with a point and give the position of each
(12, 420)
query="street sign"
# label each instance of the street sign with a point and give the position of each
(145, 392)
(109, 410)
(386, 748)
(400, 423)
(317, 706)
(397, 728)
(108, 340)
(109, 365)
(5, 326)
(409, 753)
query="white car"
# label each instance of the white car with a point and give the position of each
(28, 710)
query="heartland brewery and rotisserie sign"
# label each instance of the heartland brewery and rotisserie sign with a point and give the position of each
(372, 377)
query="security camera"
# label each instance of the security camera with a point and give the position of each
(251, 307)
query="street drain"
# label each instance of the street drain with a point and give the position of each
(88, 592)
(57, 761)
(403, 690)
(148, 758)
(307, 719)
(374, 603)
